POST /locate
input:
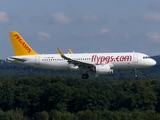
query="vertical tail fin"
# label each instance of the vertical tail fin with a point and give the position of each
(20, 46)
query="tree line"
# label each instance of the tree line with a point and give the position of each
(71, 98)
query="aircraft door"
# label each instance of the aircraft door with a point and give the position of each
(37, 60)
(135, 58)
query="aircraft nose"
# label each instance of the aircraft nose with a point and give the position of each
(153, 62)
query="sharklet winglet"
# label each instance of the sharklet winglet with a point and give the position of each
(70, 51)
(60, 52)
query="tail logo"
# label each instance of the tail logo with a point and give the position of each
(24, 45)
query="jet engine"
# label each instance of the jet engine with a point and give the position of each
(72, 67)
(103, 69)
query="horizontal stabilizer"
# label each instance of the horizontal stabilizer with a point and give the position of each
(17, 59)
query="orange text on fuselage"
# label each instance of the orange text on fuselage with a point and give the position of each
(25, 46)
(107, 59)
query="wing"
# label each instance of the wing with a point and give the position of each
(80, 64)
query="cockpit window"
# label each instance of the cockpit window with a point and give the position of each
(146, 57)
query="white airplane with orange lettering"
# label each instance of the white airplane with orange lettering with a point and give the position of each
(99, 63)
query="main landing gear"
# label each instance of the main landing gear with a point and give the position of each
(85, 76)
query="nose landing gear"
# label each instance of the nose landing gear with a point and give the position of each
(135, 74)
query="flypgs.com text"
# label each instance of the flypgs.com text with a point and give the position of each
(107, 59)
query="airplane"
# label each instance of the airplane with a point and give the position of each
(99, 63)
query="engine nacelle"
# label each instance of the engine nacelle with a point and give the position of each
(103, 69)
(72, 67)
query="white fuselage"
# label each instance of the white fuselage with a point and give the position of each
(125, 60)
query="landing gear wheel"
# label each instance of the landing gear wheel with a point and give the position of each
(135, 74)
(85, 76)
